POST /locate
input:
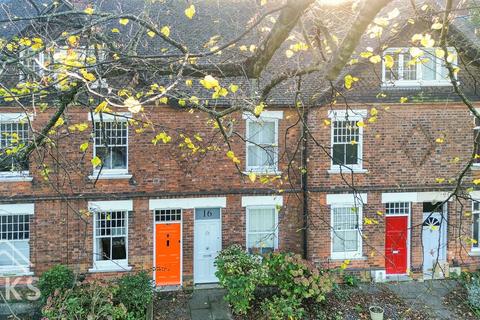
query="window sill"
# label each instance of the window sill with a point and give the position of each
(15, 273)
(416, 84)
(346, 170)
(475, 166)
(353, 257)
(109, 176)
(263, 173)
(474, 253)
(113, 268)
(15, 178)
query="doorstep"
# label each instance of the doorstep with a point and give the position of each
(168, 288)
(397, 278)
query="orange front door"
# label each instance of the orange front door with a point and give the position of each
(167, 255)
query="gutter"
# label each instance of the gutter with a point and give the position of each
(304, 182)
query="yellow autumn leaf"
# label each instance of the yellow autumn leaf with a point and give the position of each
(209, 82)
(188, 82)
(375, 59)
(233, 88)
(259, 109)
(439, 180)
(403, 99)
(476, 181)
(289, 53)
(439, 53)
(84, 146)
(349, 80)
(360, 124)
(437, 26)
(327, 122)
(427, 41)
(190, 11)
(373, 111)
(115, 30)
(440, 140)
(102, 107)
(59, 122)
(72, 40)
(252, 176)
(89, 10)
(123, 21)
(96, 161)
(389, 62)
(133, 105)
(165, 31)
(151, 34)
(380, 213)
(366, 54)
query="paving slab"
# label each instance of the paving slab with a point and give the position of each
(426, 295)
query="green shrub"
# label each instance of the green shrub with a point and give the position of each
(240, 273)
(58, 277)
(135, 292)
(351, 280)
(280, 308)
(293, 281)
(294, 276)
(473, 292)
(86, 301)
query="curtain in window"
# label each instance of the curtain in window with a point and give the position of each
(261, 144)
(261, 228)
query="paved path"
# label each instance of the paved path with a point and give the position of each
(426, 295)
(208, 304)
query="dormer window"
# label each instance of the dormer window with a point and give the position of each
(414, 67)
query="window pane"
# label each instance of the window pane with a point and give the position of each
(409, 67)
(261, 132)
(338, 243)
(118, 157)
(6, 259)
(119, 250)
(392, 74)
(103, 249)
(351, 156)
(351, 240)
(261, 220)
(338, 154)
(13, 135)
(261, 156)
(262, 240)
(429, 65)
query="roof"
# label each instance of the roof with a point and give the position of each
(218, 22)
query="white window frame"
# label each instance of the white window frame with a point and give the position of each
(24, 175)
(110, 173)
(476, 249)
(276, 226)
(347, 254)
(40, 56)
(266, 116)
(12, 210)
(347, 115)
(418, 82)
(476, 129)
(108, 206)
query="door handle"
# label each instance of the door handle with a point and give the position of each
(395, 251)
(207, 255)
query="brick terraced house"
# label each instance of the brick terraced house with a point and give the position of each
(373, 199)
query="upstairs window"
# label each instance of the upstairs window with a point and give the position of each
(33, 65)
(14, 132)
(425, 69)
(111, 145)
(262, 142)
(347, 140)
(476, 141)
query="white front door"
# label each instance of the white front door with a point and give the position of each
(207, 244)
(434, 240)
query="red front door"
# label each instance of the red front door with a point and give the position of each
(396, 248)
